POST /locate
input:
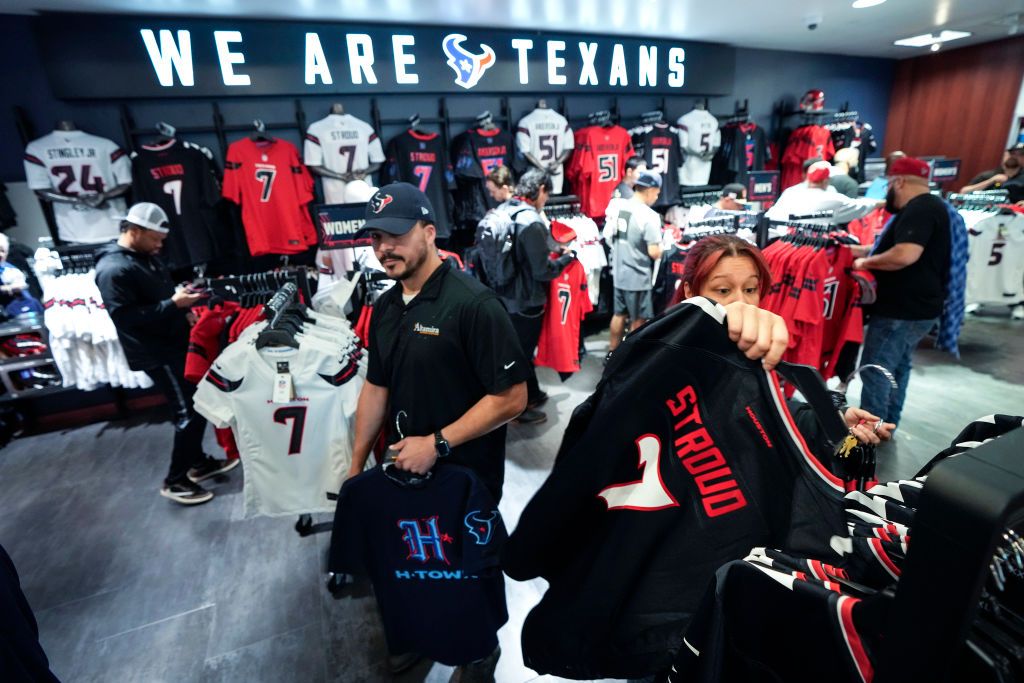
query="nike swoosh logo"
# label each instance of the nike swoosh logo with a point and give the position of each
(510, 365)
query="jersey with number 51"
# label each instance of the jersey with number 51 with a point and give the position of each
(296, 451)
(273, 188)
(343, 144)
(73, 163)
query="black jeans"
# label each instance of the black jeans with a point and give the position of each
(188, 424)
(527, 326)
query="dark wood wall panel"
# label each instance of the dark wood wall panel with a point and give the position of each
(958, 103)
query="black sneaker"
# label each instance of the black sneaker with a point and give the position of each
(186, 493)
(541, 399)
(211, 467)
(531, 416)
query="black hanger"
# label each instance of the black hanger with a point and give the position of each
(260, 134)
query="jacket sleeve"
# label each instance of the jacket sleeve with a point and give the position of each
(533, 247)
(121, 302)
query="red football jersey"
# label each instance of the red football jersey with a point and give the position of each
(204, 341)
(598, 166)
(568, 303)
(273, 187)
(806, 142)
(844, 319)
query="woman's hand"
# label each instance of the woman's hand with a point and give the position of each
(862, 425)
(760, 334)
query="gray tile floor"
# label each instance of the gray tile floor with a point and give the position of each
(129, 587)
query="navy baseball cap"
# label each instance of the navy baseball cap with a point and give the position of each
(648, 179)
(395, 209)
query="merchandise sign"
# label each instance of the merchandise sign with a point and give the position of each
(945, 170)
(762, 186)
(337, 224)
(116, 56)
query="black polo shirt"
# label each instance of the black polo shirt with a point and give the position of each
(440, 354)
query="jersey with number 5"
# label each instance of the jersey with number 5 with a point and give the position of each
(658, 144)
(76, 163)
(273, 188)
(545, 135)
(296, 451)
(995, 269)
(700, 138)
(598, 165)
(181, 178)
(343, 144)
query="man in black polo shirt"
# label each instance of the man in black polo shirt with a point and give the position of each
(911, 265)
(446, 370)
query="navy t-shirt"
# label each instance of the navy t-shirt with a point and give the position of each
(432, 555)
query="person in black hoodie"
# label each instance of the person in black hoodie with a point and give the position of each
(535, 270)
(152, 323)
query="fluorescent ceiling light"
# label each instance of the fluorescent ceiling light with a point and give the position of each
(926, 39)
(861, 4)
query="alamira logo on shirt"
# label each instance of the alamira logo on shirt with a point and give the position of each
(426, 330)
(468, 67)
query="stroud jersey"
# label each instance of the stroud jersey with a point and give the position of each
(598, 165)
(658, 144)
(421, 159)
(568, 303)
(181, 178)
(683, 459)
(432, 555)
(73, 163)
(545, 135)
(273, 188)
(476, 153)
(700, 139)
(995, 268)
(343, 144)
(293, 452)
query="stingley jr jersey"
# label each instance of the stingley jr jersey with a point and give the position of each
(181, 178)
(343, 144)
(72, 162)
(421, 159)
(432, 555)
(294, 453)
(683, 459)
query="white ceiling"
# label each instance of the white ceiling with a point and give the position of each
(778, 24)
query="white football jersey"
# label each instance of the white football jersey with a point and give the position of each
(545, 135)
(700, 138)
(995, 269)
(295, 452)
(343, 144)
(72, 163)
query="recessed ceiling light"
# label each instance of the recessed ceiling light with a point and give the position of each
(936, 46)
(861, 4)
(926, 39)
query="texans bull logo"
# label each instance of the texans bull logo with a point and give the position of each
(468, 67)
(481, 525)
(379, 201)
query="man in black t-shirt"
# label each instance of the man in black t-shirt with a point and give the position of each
(1009, 177)
(446, 370)
(911, 265)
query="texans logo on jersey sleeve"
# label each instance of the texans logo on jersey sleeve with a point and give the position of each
(481, 525)
(379, 201)
(468, 67)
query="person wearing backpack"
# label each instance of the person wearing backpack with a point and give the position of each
(525, 293)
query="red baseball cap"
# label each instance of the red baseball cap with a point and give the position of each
(910, 166)
(562, 233)
(818, 171)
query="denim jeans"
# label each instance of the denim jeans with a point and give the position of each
(890, 343)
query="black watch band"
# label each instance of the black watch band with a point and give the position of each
(441, 445)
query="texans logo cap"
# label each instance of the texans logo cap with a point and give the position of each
(395, 209)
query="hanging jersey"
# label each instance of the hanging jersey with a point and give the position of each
(432, 555)
(658, 144)
(843, 317)
(476, 153)
(293, 452)
(181, 178)
(598, 165)
(545, 135)
(568, 303)
(806, 142)
(699, 138)
(343, 144)
(273, 188)
(995, 268)
(421, 159)
(76, 163)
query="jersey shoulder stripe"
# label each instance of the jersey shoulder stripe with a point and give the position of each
(221, 382)
(32, 159)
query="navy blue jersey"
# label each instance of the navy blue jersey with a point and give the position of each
(421, 159)
(432, 555)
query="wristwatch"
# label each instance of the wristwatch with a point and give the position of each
(441, 445)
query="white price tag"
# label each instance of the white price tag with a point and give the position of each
(283, 390)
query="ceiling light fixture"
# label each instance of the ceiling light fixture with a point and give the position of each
(936, 46)
(861, 4)
(926, 39)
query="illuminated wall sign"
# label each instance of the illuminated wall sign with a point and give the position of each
(99, 56)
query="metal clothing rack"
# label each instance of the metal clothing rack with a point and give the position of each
(698, 197)
(253, 288)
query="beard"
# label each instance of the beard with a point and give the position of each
(401, 267)
(890, 201)
(1011, 164)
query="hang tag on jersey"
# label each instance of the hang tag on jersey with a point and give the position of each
(284, 390)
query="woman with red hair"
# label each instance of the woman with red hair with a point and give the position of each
(732, 272)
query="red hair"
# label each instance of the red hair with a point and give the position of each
(706, 254)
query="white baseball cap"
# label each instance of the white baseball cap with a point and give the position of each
(149, 216)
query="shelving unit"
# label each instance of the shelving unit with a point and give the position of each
(10, 366)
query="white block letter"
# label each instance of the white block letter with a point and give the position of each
(169, 57)
(403, 60)
(588, 74)
(618, 75)
(316, 62)
(360, 58)
(523, 47)
(555, 62)
(676, 68)
(648, 65)
(228, 58)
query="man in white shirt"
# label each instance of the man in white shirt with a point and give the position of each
(801, 200)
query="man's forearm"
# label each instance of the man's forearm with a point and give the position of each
(370, 412)
(887, 260)
(486, 415)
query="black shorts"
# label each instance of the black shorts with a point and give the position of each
(635, 305)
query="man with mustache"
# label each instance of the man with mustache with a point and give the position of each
(1009, 177)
